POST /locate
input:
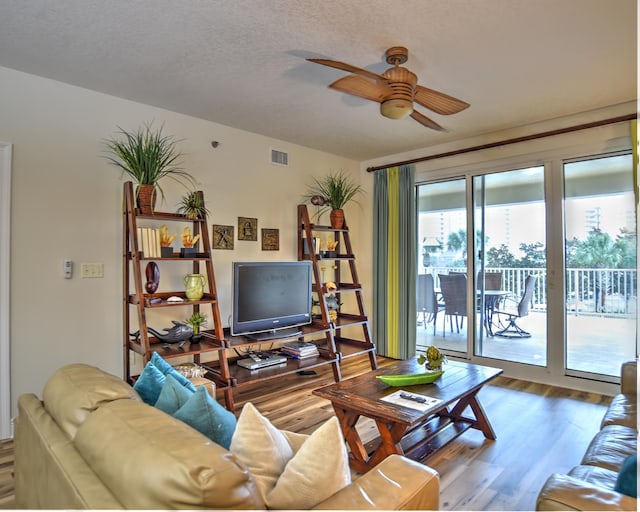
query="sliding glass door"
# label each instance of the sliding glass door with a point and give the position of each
(562, 234)
(510, 266)
(601, 286)
(442, 246)
(483, 311)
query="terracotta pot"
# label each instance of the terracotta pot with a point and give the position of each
(146, 199)
(337, 219)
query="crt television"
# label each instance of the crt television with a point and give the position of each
(271, 299)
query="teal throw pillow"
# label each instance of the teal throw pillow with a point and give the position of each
(207, 416)
(149, 384)
(627, 482)
(167, 369)
(172, 396)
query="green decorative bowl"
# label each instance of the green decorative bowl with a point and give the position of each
(410, 379)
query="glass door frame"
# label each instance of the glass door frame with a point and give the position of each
(551, 154)
(584, 159)
(506, 193)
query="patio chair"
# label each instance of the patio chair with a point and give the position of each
(508, 326)
(487, 303)
(426, 301)
(492, 280)
(454, 294)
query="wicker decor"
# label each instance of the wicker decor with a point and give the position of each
(336, 218)
(146, 199)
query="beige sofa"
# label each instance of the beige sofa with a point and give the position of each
(92, 443)
(590, 485)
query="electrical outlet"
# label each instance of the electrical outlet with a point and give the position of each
(91, 270)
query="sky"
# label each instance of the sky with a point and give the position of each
(524, 223)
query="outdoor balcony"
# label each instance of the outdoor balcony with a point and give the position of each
(598, 324)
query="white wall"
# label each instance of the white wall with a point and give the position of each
(66, 203)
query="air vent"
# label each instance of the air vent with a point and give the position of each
(279, 157)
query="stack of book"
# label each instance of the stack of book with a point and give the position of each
(149, 242)
(299, 349)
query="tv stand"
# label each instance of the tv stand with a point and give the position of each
(339, 336)
(275, 334)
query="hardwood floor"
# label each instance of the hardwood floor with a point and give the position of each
(541, 429)
(6, 479)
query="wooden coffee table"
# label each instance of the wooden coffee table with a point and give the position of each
(404, 430)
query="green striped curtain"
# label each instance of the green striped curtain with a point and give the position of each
(394, 264)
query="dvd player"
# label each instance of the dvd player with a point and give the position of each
(258, 360)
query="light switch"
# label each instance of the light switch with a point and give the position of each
(90, 270)
(67, 268)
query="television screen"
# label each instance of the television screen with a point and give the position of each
(269, 297)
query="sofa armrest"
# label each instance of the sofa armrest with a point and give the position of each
(49, 471)
(397, 483)
(563, 492)
(629, 377)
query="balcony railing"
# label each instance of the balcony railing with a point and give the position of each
(595, 291)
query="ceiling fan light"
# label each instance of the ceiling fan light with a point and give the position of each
(396, 108)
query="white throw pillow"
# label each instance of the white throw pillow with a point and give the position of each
(261, 447)
(289, 480)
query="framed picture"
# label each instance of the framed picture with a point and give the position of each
(222, 237)
(247, 228)
(270, 239)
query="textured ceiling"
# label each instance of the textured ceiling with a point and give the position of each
(242, 63)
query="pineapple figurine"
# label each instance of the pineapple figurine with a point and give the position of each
(434, 358)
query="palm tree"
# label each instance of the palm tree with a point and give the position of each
(598, 250)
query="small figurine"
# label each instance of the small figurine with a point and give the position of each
(434, 358)
(188, 240)
(180, 333)
(332, 301)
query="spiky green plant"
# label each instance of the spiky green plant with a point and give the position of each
(192, 205)
(147, 156)
(196, 320)
(336, 189)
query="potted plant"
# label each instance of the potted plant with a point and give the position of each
(147, 156)
(192, 205)
(332, 193)
(196, 321)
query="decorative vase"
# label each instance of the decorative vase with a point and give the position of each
(152, 273)
(146, 199)
(194, 286)
(337, 218)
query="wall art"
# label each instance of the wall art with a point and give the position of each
(247, 228)
(222, 237)
(270, 239)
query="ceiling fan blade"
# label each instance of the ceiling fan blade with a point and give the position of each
(348, 67)
(424, 120)
(438, 102)
(361, 87)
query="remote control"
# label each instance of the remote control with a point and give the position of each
(415, 398)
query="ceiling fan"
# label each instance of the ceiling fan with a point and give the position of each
(396, 89)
